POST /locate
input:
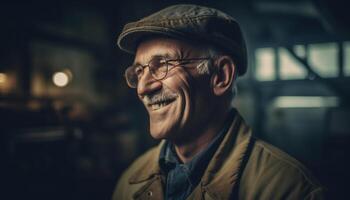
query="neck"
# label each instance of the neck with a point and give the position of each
(187, 150)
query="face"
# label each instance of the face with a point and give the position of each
(179, 104)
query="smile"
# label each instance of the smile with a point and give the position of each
(161, 104)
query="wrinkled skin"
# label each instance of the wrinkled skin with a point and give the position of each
(190, 95)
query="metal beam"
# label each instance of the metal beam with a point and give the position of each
(328, 82)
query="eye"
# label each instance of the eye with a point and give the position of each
(162, 66)
(138, 70)
(172, 64)
(158, 67)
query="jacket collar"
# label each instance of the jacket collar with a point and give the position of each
(153, 168)
(224, 169)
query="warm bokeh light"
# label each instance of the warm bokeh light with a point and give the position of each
(60, 79)
(3, 78)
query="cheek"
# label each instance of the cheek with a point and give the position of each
(179, 80)
(181, 83)
(195, 93)
(185, 86)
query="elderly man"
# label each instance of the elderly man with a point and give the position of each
(187, 60)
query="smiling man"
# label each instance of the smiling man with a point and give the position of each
(187, 60)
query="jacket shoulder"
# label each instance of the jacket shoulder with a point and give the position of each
(277, 156)
(143, 161)
(273, 172)
(123, 189)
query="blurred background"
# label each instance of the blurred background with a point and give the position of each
(70, 125)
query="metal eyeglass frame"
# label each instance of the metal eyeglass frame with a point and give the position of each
(166, 62)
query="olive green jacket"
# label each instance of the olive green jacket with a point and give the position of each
(243, 167)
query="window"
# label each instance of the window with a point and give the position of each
(323, 59)
(290, 68)
(305, 101)
(300, 50)
(265, 64)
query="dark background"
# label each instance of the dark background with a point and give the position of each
(73, 141)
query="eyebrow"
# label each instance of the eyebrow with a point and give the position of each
(165, 55)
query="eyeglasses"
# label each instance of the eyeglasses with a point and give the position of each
(158, 67)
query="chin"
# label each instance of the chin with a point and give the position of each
(158, 132)
(168, 125)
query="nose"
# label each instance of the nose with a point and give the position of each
(147, 84)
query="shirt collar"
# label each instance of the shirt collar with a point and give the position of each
(168, 158)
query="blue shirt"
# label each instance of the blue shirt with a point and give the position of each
(182, 178)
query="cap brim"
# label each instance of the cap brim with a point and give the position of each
(129, 40)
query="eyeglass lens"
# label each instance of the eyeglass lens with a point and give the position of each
(158, 68)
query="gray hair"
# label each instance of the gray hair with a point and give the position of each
(206, 66)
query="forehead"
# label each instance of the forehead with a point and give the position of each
(167, 47)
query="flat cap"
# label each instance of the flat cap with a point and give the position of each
(189, 22)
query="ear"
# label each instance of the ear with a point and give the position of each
(223, 76)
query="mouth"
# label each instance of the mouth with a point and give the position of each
(160, 104)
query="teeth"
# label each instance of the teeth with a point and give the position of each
(158, 105)
(155, 106)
